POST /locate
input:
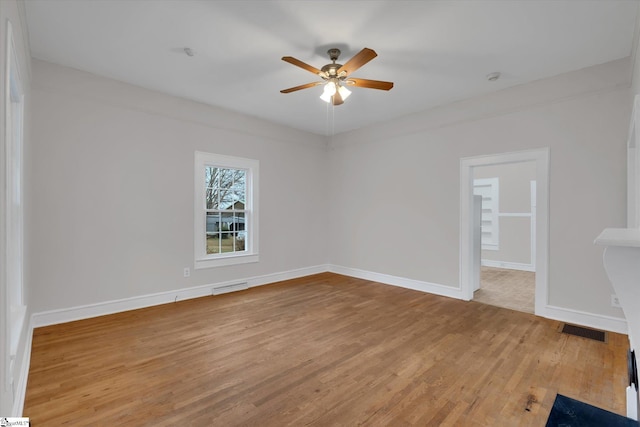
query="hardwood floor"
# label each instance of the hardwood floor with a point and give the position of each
(323, 350)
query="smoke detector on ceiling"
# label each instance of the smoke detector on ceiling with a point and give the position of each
(492, 77)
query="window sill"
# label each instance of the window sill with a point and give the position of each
(228, 260)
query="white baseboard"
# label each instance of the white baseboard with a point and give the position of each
(64, 315)
(21, 386)
(598, 321)
(607, 323)
(508, 265)
(418, 285)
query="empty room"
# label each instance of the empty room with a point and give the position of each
(269, 213)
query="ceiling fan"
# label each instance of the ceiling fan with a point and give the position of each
(336, 76)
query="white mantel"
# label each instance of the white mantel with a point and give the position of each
(622, 264)
(626, 237)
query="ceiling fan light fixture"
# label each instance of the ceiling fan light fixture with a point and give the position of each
(344, 92)
(325, 97)
(329, 91)
(331, 88)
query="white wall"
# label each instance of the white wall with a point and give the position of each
(395, 201)
(112, 195)
(12, 11)
(514, 185)
(635, 58)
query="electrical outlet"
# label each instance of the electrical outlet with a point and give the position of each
(187, 272)
(614, 301)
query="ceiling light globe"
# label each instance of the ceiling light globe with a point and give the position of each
(329, 91)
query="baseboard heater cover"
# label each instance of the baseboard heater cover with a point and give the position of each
(230, 288)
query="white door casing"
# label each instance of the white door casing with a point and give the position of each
(541, 157)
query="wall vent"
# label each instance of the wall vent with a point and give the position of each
(230, 288)
(580, 331)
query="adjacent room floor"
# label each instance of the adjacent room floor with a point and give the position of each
(320, 350)
(505, 288)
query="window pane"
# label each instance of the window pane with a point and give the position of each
(226, 199)
(213, 223)
(240, 243)
(212, 199)
(227, 243)
(226, 178)
(240, 202)
(239, 183)
(238, 222)
(211, 185)
(239, 176)
(227, 221)
(239, 231)
(210, 177)
(213, 243)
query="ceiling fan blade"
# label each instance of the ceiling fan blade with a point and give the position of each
(371, 84)
(337, 99)
(298, 63)
(360, 58)
(306, 86)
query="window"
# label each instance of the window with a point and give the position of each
(226, 210)
(488, 189)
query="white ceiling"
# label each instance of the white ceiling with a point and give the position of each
(436, 52)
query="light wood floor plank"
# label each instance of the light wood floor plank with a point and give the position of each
(320, 350)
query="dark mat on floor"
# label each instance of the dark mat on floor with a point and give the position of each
(567, 412)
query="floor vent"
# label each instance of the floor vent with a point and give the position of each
(230, 288)
(580, 331)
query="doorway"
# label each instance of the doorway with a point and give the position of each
(469, 259)
(506, 196)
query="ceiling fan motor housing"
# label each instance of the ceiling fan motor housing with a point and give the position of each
(331, 69)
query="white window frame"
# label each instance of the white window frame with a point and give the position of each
(250, 254)
(490, 211)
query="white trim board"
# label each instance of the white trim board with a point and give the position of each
(607, 323)
(577, 317)
(70, 314)
(387, 279)
(109, 307)
(21, 385)
(508, 265)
